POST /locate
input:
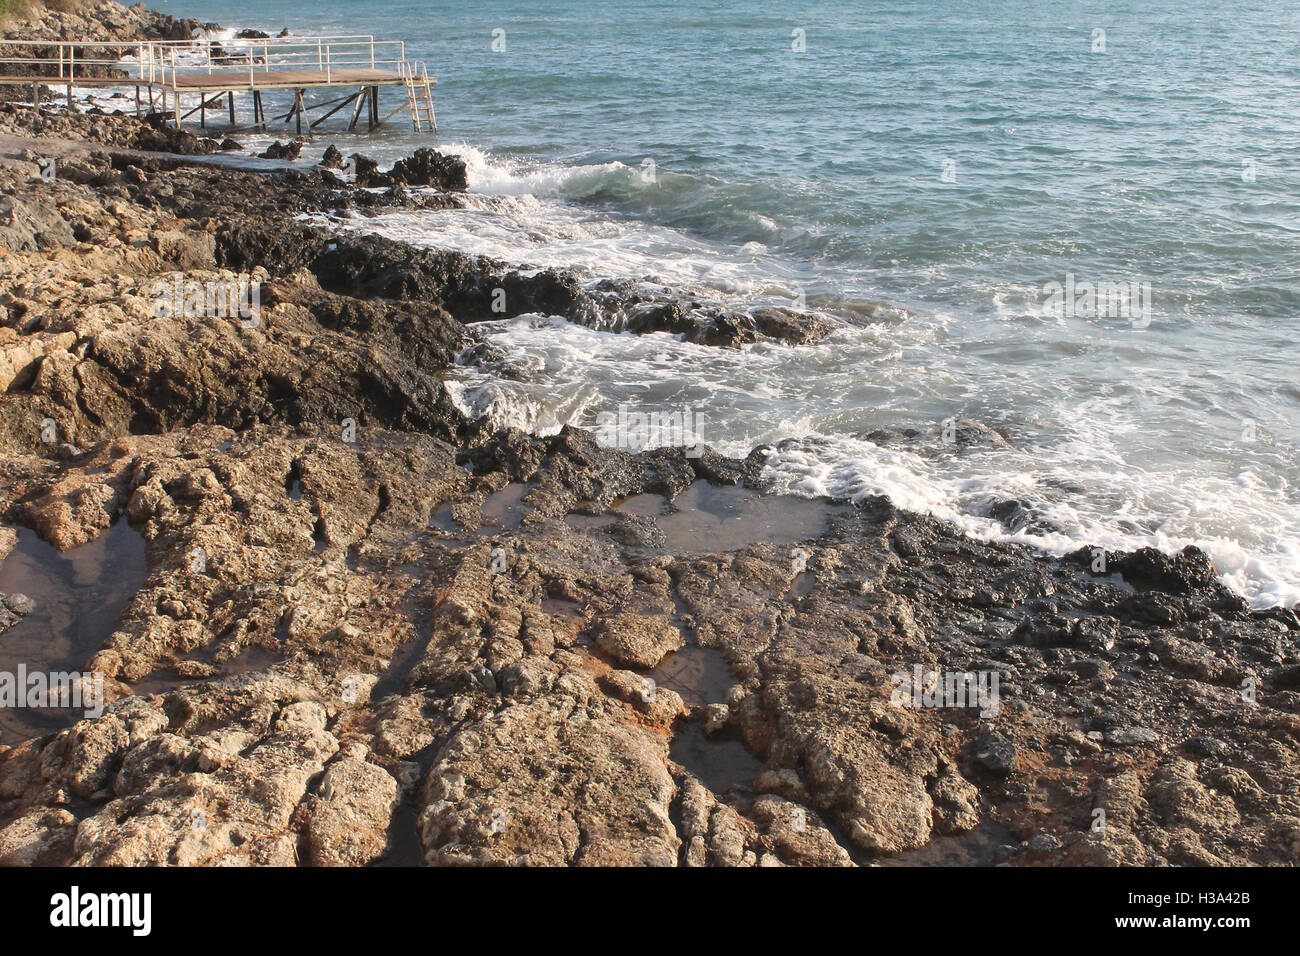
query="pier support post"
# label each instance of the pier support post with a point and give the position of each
(232, 107)
(362, 95)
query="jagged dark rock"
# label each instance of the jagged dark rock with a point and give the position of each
(333, 159)
(277, 150)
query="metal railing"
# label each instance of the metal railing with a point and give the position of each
(66, 57)
(162, 61)
(326, 55)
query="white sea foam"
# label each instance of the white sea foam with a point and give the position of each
(1265, 570)
(1072, 477)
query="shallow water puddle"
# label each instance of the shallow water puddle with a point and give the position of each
(721, 763)
(505, 508)
(442, 519)
(709, 518)
(802, 586)
(78, 597)
(977, 847)
(249, 660)
(404, 844)
(698, 674)
(648, 505)
(563, 607)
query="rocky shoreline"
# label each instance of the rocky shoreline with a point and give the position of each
(373, 630)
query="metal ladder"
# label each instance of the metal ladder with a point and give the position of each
(419, 95)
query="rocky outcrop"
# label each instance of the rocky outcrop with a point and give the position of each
(347, 650)
(100, 21)
(426, 167)
(287, 151)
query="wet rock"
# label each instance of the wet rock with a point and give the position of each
(1016, 516)
(367, 172)
(333, 158)
(793, 328)
(287, 151)
(1187, 572)
(159, 134)
(428, 167)
(13, 608)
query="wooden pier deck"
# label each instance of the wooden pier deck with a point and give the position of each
(287, 80)
(166, 73)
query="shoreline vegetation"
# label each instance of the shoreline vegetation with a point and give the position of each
(37, 12)
(357, 627)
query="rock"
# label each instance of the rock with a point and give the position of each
(287, 151)
(996, 754)
(367, 172)
(1132, 737)
(42, 838)
(1044, 843)
(638, 641)
(497, 793)
(1121, 798)
(342, 645)
(351, 814)
(333, 159)
(159, 134)
(799, 836)
(19, 604)
(1189, 571)
(715, 718)
(428, 167)
(658, 703)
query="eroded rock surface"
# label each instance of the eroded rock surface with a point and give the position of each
(343, 656)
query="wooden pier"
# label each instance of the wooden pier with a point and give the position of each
(188, 77)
